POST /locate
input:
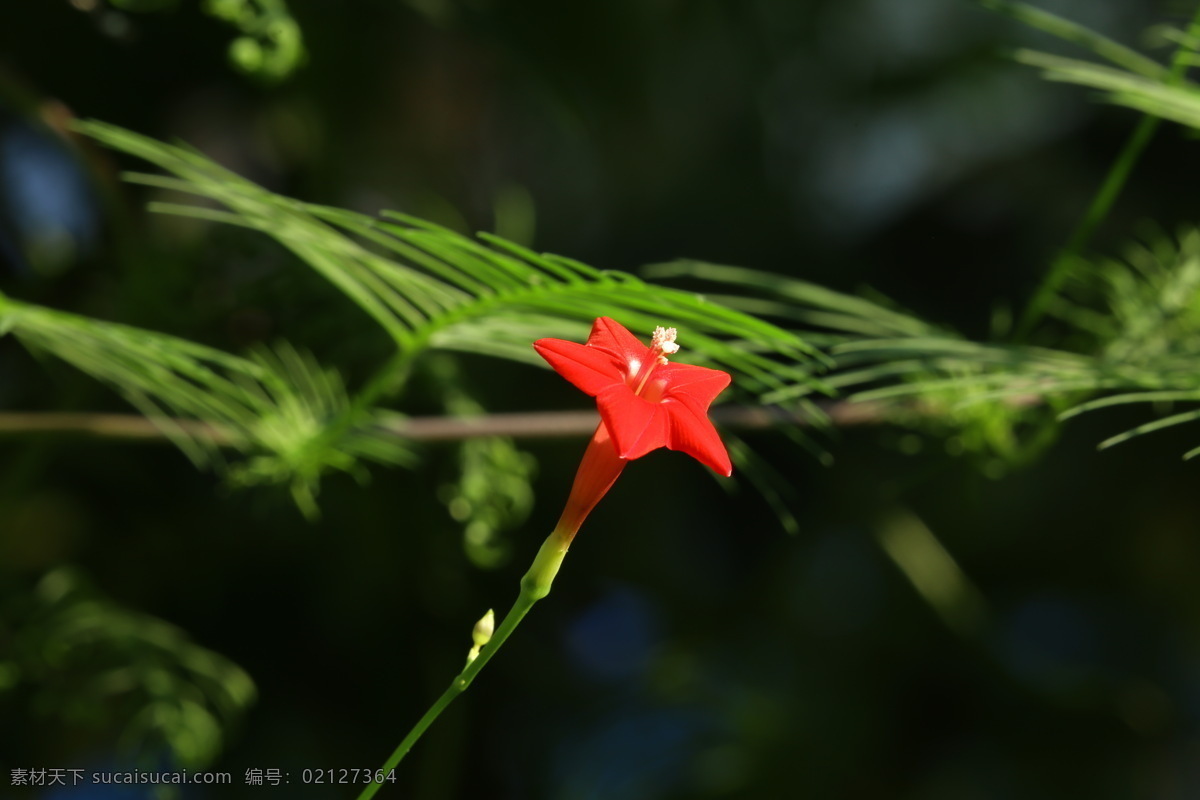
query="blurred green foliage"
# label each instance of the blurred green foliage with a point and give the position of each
(90, 665)
(493, 493)
(270, 47)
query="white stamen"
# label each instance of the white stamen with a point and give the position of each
(663, 340)
(662, 344)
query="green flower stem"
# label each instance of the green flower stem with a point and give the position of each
(534, 586)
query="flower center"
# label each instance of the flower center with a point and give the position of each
(662, 344)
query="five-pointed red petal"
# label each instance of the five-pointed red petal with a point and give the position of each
(670, 407)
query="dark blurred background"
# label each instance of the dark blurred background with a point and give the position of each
(691, 647)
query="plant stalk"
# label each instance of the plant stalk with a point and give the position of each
(534, 586)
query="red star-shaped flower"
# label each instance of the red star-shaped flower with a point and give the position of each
(645, 401)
